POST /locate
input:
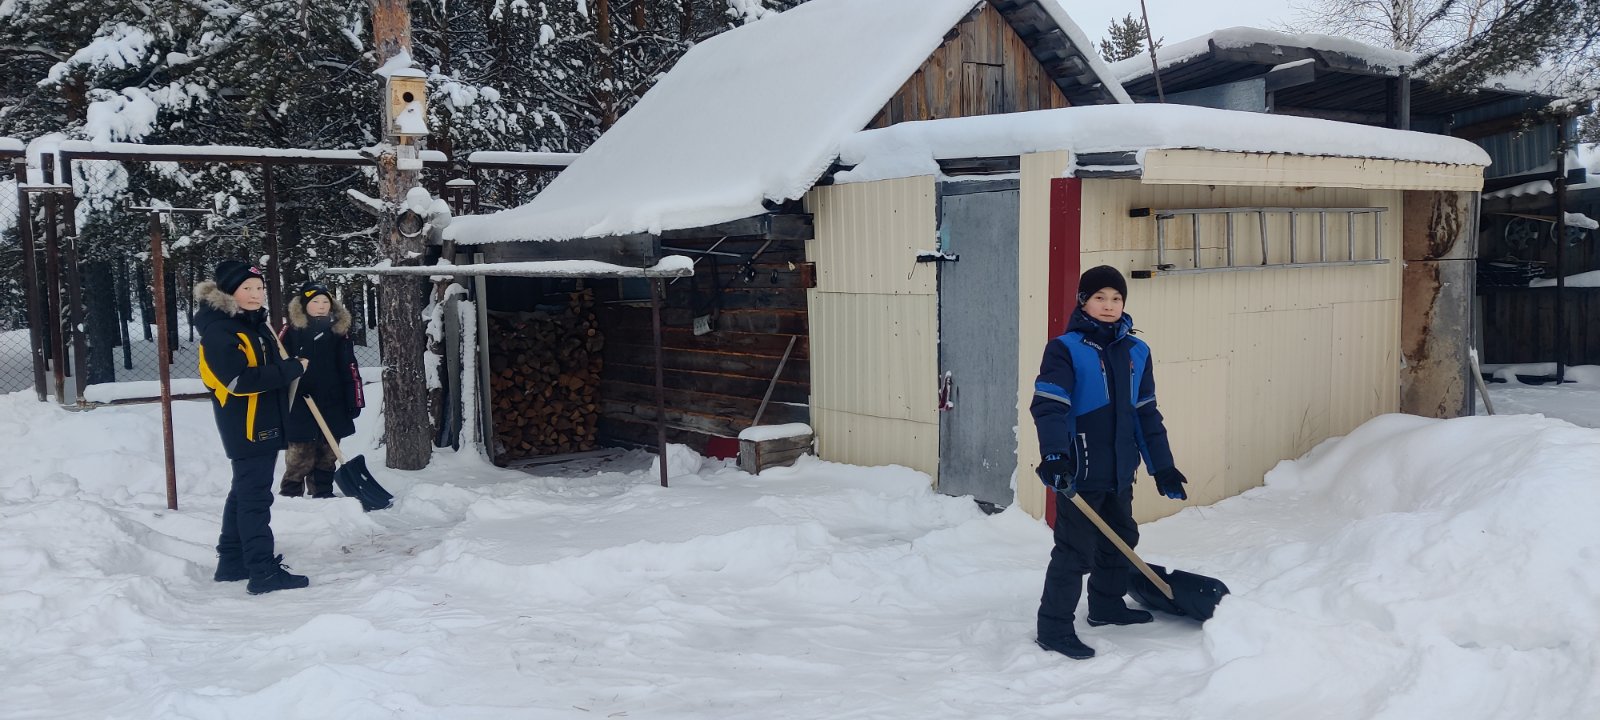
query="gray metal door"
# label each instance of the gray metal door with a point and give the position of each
(978, 340)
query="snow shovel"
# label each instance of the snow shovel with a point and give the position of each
(352, 476)
(1174, 592)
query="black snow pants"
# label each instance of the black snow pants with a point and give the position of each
(247, 517)
(1081, 549)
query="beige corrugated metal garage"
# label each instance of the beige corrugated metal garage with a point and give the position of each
(1255, 364)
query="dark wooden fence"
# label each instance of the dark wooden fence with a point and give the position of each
(1519, 325)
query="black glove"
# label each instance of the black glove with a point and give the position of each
(1060, 473)
(1170, 482)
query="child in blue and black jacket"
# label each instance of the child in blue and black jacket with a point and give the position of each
(1094, 405)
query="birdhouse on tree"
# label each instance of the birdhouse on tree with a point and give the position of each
(408, 103)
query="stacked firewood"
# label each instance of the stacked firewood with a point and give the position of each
(545, 376)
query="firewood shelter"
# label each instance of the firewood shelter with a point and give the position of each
(533, 392)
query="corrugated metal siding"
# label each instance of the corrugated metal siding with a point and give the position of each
(874, 324)
(1520, 152)
(1205, 167)
(1252, 367)
(1033, 294)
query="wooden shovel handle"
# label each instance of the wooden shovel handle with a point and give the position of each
(333, 442)
(1111, 535)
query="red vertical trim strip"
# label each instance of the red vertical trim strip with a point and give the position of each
(1066, 245)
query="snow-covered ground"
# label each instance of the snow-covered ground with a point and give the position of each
(1577, 400)
(1415, 569)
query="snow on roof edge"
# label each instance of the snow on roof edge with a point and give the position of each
(517, 157)
(1097, 64)
(911, 149)
(12, 145)
(1380, 58)
(600, 195)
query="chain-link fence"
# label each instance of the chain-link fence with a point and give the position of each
(93, 267)
(83, 215)
(16, 359)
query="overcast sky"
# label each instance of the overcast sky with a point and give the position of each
(1176, 20)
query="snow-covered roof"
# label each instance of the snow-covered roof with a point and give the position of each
(910, 149)
(12, 145)
(1380, 59)
(521, 159)
(751, 115)
(1585, 155)
(1377, 60)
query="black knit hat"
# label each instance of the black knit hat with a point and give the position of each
(230, 274)
(311, 289)
(1099, 278)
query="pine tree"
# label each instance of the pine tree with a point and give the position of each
(1124, 39)
(1559, 37)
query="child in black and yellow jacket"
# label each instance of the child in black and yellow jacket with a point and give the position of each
(241, 366)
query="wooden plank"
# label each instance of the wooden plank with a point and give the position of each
(778, 322)
(981, 166)
(630, 250)
(711, 424)
(743, 297)
(797, 442)
(626, 432)
(739, 409)
(732, 385)
(752, 366)
(759, 344)
(786, 226)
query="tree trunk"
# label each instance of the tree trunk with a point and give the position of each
(147, 304)
(407, 429)
(101, 322)
(171, 275)
(125, 311)
(607, 94)
(686, 21)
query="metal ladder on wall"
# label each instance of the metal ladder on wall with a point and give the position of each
(1163, 218)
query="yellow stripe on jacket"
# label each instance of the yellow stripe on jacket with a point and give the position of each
(221, 391)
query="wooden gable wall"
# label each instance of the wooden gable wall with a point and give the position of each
(983, 68)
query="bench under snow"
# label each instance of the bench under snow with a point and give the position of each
(765, 446)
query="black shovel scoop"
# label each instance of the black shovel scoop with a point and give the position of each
(1174, 592)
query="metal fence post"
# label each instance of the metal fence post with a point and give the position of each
(30, 275)
(52, 297)
(80, 345)
(164, 355)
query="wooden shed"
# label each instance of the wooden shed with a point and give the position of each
(1296, 277)
(714, 163)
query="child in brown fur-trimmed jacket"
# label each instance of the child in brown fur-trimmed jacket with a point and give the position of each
(319, 330)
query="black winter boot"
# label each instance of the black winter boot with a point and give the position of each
(292, 488)
(279, 579)
(1069, 646)
(230, 570)
(1115, 616)
(321, 484)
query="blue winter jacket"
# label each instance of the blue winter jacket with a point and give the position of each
(1095, 402)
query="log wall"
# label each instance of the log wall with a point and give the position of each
(714, 382)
